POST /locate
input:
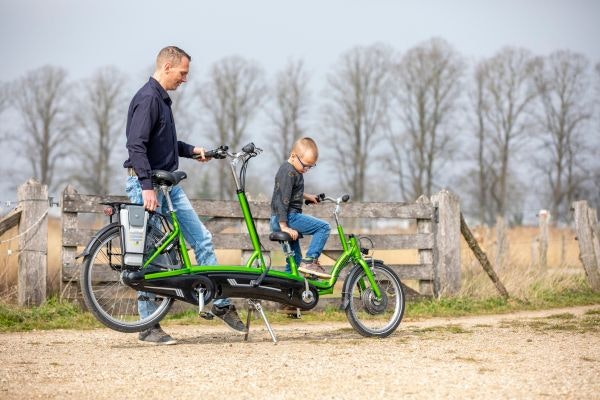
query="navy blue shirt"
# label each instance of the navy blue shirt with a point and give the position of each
(151, 136)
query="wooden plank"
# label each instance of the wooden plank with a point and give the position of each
(80, 237)
(82, 203)
(427, 287)
(10, 220)
(404, 271)
(481, 257)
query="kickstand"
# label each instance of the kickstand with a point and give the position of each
(255, 305)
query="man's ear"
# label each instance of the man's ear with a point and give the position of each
(166, 67)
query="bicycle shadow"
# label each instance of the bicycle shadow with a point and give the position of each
(262, 335)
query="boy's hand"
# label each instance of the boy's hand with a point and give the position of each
(310, 198)
(293, 233)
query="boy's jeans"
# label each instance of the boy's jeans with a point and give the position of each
(306, 225)
(194, 232)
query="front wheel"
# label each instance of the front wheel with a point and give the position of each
(112, 302)
(369, 315)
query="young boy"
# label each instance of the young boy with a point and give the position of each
(286, 208)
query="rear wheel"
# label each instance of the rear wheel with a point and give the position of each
(369, 315)
(111, 301)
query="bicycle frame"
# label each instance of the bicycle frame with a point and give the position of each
(372, 295)
(351, 249)
(350, 253)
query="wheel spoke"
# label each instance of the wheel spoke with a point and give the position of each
(111, 301)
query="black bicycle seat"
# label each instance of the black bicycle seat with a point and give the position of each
(280, 236)
(160, 177)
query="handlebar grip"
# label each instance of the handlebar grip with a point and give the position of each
(219, 152)
(320, 197)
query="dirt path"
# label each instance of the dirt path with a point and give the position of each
(554, 353)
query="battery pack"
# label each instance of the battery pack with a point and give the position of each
(134, 220)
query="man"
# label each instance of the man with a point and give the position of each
(152, 144)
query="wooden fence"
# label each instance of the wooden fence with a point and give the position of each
(437, 236)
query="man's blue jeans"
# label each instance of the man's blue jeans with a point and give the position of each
(194, 232)
(306, 225)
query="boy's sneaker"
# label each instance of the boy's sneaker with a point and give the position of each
(156, 336)
(230, 317)
(313, 267)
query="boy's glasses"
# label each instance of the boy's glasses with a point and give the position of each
(305, 166)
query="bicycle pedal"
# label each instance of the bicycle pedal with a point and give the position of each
(207, 315)
(295, 315)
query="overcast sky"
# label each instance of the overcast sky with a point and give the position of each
(83, 35)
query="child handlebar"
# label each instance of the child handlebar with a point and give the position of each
(322, 197)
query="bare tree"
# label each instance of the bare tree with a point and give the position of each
(100, 119)
(429, 81)
(563, 90)
(290, 108)
(41, 100)
(357, 111)
(480, 187)
(591, 191)
(4, 95)
(508, 94)
(231, 97)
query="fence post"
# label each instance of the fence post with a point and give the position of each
(501, 243)
(543, 219)
(68, 253)
(447, 233)
(33, 243)
(586, 228)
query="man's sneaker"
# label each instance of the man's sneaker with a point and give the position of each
(230, 317)
(156, 336)
(312, 267)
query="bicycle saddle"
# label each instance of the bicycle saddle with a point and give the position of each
(160, 177)
(280, 236)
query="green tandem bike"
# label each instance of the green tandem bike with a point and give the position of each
(115, 273)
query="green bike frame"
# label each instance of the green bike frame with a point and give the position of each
(256, 263)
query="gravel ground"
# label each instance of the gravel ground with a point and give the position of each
(554, 353)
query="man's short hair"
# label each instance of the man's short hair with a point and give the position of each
(171, 54)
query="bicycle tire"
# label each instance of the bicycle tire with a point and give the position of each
(367, 315)
(112, 302)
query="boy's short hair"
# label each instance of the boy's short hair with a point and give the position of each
(303, 144)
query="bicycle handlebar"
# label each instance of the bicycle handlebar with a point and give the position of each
(223, 151)
(322, 197)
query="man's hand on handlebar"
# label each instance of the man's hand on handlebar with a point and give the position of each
(200, 155)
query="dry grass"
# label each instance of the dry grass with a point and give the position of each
(518, 268)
